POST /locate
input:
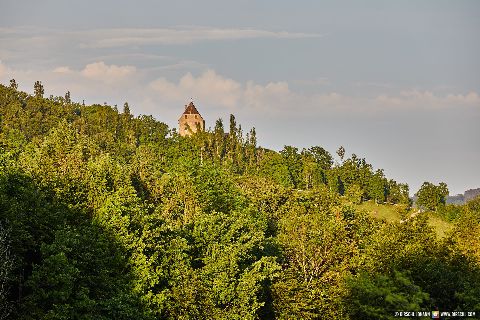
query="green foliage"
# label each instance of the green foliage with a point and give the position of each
(315, 235)
(107, 215)
(431, 197)
(450, 212)
(64, 266)
(292, 159)
(398, 193)
(380, 296)
(215, 189)
(6, 266)
(466, 234)
(273, 166)
(354, 194)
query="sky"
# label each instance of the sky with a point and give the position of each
(396, 82)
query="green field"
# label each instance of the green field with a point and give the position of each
(391, 213)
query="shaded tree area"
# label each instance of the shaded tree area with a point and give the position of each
(107, 215)
(63, 265)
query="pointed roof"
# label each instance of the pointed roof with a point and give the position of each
(190, 109)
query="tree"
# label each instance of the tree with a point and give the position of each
(13, 84)
(111, 216)
(293, 160)
(341, 152)
(354, 193)
(219, 143)
(398, 192)
(253, 137)
(233, 126)
(273, 166)
(322, 157)
(38, 89)
(67, 97)
(379, 296)
(314, 235)
(126, 109)
(6, 266)
(377, 187)
(466, 234)
(431, 196)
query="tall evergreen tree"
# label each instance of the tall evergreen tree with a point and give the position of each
(38, 89)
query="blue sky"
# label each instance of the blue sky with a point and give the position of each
(395, 82)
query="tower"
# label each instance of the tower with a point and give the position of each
(190, 121)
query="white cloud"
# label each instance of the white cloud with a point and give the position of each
(471, 98)
(107, 73)
(99, 81)
(63, 69)
(215, 90)
(250, 98)
(273, 96)
(209, 87)
(96, 83)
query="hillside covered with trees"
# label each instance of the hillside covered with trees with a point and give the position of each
(107, 215)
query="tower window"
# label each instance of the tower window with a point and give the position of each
(185, 116)
(195, 116)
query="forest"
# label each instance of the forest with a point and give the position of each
(108, 215)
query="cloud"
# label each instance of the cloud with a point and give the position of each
(96, 82)
(209, 87)
(63, 69)
(99, 81)
(7, 73)
(19, 38)
(411, 99)
(471, 98)
(108, 38)
(217, 91)
(107, 73)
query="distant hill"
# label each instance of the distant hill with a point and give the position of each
(457, 199)
(465, 197)
(470, 194)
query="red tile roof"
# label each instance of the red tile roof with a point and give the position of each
(190, 109)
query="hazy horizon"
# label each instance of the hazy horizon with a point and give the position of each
(396, 83)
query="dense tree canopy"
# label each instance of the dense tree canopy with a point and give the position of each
(431, 196)
(107, 215)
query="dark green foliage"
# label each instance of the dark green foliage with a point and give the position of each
(379, 296)
(64, 266)
(450, 212)
(107, 215)
(6, 266)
